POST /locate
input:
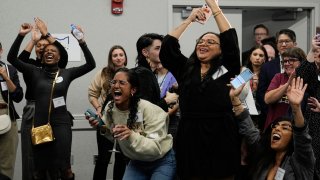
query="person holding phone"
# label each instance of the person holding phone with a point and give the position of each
(10, 91)
(139, 128)
(51, 160)
(207, 142)
(98, 91)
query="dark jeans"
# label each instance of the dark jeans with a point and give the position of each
(26, 145)
(100, 169)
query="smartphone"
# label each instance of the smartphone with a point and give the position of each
(91, 113)
(318, 33)
(242, 78)
(207, 12)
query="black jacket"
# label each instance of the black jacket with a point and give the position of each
(15, 96)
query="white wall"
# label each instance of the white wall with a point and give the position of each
(102, 30)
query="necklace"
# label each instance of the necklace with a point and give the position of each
(203, 75)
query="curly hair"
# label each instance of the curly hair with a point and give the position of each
(134, 99)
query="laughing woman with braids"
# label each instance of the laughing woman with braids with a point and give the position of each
(140, 129)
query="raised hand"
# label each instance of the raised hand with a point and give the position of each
(36, 35)
(235, 92)
(41, 26)
(197, 14)
(295, 91)
(314, 104)
(25, 29)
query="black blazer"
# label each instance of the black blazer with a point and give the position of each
(268, 70)
(15, 96)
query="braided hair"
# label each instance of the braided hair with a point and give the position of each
(134, 99)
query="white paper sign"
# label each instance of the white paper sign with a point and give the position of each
(71, 45)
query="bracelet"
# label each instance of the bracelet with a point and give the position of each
(217, 13)
(47, 35)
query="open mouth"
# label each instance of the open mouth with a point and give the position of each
(203, 50)
(49, 56)
(276, 137)
(117, 93)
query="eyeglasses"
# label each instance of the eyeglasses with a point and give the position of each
(260, 34)
(289, 60)
(121, 82)
(286, 42)
(208, 42)
(284, 126)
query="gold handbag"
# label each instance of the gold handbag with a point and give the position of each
(43, 134)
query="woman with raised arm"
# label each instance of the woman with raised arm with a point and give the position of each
(38, 41)
(208, 145)
(51, 84)
(284, 151)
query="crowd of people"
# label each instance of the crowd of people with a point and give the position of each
(172, 116)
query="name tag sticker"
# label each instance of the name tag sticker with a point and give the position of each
(280, 174)
(59, 101)
(4, 86)
(59, 79)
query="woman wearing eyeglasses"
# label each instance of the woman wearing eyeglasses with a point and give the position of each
(97, 92)
(284, 151)
(275, 97)
(140, 129)
(208, 145)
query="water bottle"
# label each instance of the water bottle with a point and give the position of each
(76, 32)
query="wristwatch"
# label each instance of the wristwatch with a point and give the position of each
(47, 35)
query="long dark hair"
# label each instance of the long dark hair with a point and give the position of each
(194, 62)
(109, 71)
(134, 99)
(264, 155)
(249, 63)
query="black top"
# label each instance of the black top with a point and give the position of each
(308, 71)
(41, 81)
(207, 137)
(25, 55)
(15, 96)
(149, 87)
(267, 72)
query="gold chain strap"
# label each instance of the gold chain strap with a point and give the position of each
(53, 83)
